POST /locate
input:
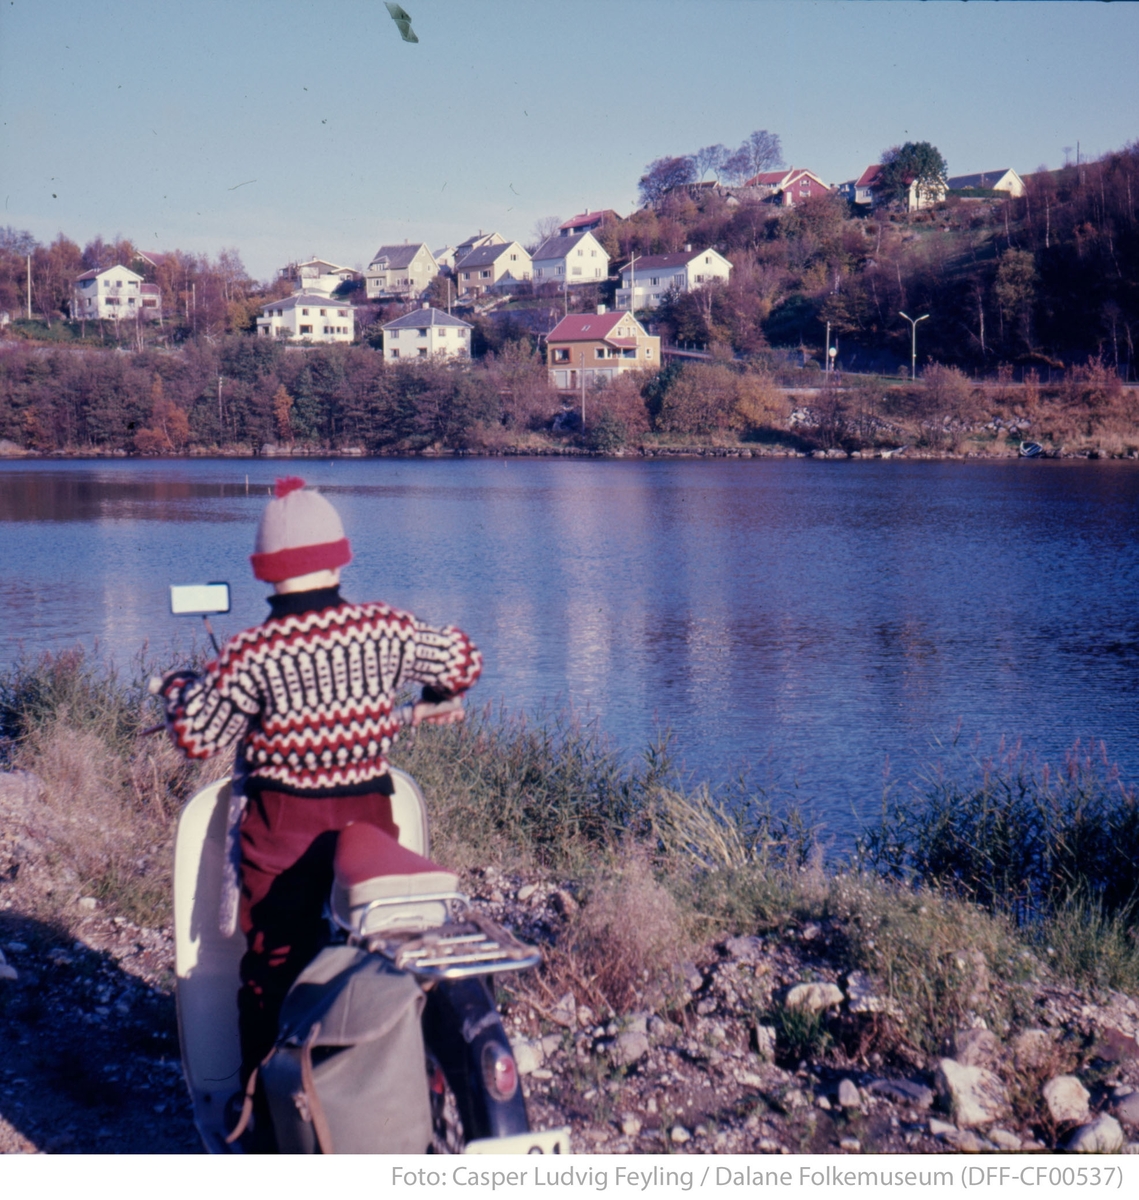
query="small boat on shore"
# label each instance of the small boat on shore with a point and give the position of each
(1031, 449)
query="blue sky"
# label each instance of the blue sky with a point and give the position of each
(287, 128)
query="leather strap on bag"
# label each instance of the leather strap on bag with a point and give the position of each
(308, 1084)
(247, 1103)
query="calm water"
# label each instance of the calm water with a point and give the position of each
(804, 621)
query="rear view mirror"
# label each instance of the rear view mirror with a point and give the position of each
(199, 599)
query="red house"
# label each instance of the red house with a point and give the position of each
(789, 187)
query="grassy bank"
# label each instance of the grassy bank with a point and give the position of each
(996, 876)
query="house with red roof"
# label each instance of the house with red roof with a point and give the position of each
(594, 348)
(789, 187)
(865, 190)
(588, 222)
(646, 280)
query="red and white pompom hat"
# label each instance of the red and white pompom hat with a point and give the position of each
(300, 532)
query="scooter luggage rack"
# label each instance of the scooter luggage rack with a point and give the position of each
(462, 946)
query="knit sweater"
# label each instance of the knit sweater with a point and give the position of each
(310, 692)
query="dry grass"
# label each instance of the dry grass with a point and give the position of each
(630, 935)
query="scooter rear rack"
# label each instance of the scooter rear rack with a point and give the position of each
(468, 945)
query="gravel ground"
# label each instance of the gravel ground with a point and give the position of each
(89, 1059)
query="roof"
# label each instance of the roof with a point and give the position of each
(589, 218)
(312, 299)
(869, 177)
(483, 256)
(398, 256)
(586, 327)
(420, 317)
(665, 262)
(480, 238)
(560, 246)
(95, 272)
(769, 178)
(984, 179)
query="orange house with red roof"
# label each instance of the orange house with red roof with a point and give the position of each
(597, 347)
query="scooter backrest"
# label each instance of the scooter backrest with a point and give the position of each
(409, 812)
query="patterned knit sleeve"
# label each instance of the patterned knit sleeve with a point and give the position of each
(207, 713)
(445, 661)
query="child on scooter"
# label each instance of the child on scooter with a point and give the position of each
(308, 696)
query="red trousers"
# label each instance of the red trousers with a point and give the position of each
(287, 849)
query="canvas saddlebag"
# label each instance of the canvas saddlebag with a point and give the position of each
(348, 1072)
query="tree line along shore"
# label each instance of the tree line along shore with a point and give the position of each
(246, 397)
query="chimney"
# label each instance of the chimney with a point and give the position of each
(601, 310)
(425, 304)
(687, 247)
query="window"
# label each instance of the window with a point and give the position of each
(422, 332)
(561, 356)
(648, 352)
(514, 258)
(466, 274)
(394, 353)
(423, 352)
(596, 272)
(304, 312)
(599, 352)
(581, 254)
(538, 272)
(462, 333)
(560, 270)
(341, 312)
(393, 333)
(484, 274)
(593, 254)
(655, 281)
(443, 332)
(306, 329)
(577, 270)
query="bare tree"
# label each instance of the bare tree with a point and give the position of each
(760, 151)
(711, 158)
(665, 173)
(545, 227)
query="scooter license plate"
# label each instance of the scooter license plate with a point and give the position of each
(543, 1141)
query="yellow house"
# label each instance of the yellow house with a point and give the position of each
(598, 346)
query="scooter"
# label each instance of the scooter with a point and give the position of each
(414, 919)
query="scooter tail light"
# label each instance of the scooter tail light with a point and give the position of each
(500, 1072)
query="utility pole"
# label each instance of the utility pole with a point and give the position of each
(827, 354)
(913, 342)
(29, 287)
(581, 366)
(221, 426)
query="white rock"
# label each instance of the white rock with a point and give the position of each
(528, 1055)
(526, 891)
(974, 1095)
(1126, 1108)
(863, 997)
(628, 1047)
(679, 1135)
(1067, 1100)
(814, 997)
(88, 904)
(565, 1011)
(1032, 1047)
(765, 1043)
(630, 1125)
(850, 1144)
(10, 973)
(1102, 1136)
(848, 1096)
(940, 1128)
(1003, 1140)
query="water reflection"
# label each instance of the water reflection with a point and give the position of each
(805, 619)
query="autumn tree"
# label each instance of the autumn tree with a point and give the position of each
(282, 412)
(1015, 292)
(169, 428)
(663, 174)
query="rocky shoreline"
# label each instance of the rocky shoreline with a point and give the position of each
(709, 1064)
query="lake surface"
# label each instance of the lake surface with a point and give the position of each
(805, 622)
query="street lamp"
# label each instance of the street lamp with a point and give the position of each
(913, 342)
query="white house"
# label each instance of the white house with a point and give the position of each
(318, 275)
(648, 279)
(475, 241)
(115, 294)
(1006, 180)
(307, 317)
(866, 190)
(425, 333)
(492, 265)
(400, 272)
(578, 258)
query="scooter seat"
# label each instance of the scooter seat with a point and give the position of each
(382, 886)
